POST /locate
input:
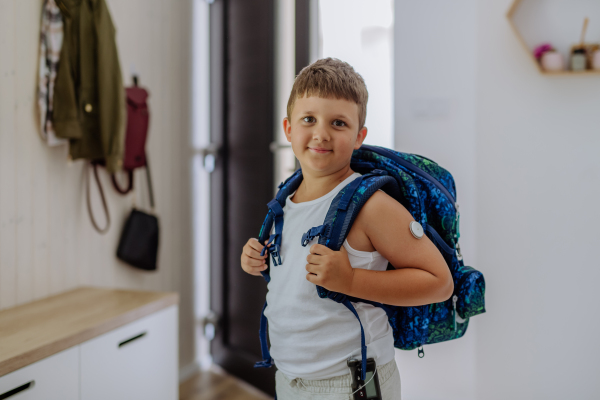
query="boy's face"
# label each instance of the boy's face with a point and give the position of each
(323, 133)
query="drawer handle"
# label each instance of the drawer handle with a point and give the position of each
(124, 342)
(11, 393)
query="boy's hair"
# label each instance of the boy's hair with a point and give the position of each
(331, 78)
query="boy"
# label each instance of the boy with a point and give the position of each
(312, 338)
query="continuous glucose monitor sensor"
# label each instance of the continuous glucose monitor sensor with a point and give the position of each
(416, 229)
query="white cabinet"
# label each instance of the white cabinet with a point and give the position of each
(91, 344)
(136, 361)
(53, 378)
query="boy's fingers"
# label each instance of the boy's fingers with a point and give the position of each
(257, 270)
(255, 244)
(250, 252)
(255, 263)
(319, 249)
(252, 262)
(312, 259)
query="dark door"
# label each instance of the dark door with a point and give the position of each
(242, 112)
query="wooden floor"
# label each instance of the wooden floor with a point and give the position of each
(215, 384)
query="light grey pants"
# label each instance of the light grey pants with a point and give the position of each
(336, 388)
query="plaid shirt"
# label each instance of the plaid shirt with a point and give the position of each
(51, 39)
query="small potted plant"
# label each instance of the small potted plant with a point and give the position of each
(549, 58)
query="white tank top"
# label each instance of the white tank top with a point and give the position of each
(311, 337)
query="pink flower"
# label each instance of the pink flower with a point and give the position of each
(541, 49)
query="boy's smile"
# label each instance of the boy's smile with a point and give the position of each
(324, 133)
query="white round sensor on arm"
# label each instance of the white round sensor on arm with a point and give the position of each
(416, 229)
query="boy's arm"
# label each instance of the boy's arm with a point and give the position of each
(421, 275)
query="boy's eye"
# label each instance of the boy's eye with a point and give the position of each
(339, 123)
(310, 119)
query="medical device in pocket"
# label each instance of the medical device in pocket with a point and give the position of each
(369, 388)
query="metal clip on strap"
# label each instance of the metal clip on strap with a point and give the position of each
(312, 233)
(273, 250)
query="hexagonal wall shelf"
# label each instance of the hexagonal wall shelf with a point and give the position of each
(566, 18)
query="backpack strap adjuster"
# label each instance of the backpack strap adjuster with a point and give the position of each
(273, 250)
(275, 255)
(322, 230)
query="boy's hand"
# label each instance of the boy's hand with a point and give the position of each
(252, 261)
(330, 269)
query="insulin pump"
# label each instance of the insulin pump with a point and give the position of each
(369, 388)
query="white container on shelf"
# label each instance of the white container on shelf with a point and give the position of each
(553, 61)
(596, 60)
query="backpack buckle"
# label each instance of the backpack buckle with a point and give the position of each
(275, 254)
(306, 238)
(458, 253)
(267, 248)
(312, 233)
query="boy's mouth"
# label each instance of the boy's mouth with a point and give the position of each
(319, 150)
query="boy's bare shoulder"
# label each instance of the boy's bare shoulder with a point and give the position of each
(384, 221)
(381, 207)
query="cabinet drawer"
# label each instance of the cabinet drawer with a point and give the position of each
(136, 361)
(53, 378)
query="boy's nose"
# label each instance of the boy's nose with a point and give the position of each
(320, 133)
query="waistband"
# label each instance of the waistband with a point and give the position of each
(342, 383)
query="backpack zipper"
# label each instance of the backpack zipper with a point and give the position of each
(410, 166)
(457, 318)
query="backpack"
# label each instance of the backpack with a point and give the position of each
(428, 192)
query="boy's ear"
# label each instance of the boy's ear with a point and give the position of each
(287, 128)
(360, 138)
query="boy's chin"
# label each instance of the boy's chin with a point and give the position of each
(321, 170)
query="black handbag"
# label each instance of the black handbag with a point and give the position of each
(138, 245)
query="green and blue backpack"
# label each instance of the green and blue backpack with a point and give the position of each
(428, 192)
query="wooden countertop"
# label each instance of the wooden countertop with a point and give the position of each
(36, 330)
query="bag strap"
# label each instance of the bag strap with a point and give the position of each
(149, 180)
(275, 215)
(89, 203)
(129, 187)
(129, 183)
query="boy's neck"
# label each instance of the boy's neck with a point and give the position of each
(314, 186)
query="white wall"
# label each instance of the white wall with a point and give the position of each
(523, 149)
(47, 243)
(538, 184)
(434, 112)
(360, 33)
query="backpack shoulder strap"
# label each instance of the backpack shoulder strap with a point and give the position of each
(344, 209)
(341, 214)
(347, 204)
(275, 216)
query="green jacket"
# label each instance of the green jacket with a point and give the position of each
(89, 98)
